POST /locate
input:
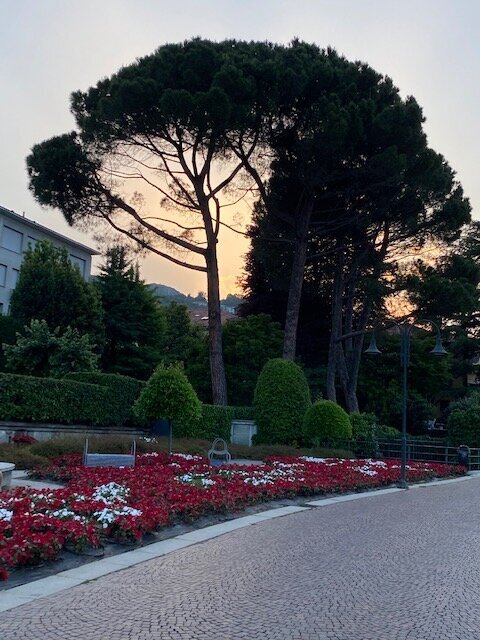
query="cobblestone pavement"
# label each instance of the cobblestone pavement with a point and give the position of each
(403, 566)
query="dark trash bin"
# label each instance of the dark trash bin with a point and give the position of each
(464, 455)
(163, 427)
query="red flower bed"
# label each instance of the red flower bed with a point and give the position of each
(125, 504)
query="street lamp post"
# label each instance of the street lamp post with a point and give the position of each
(405, 337)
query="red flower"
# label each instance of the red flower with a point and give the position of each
(125, 504)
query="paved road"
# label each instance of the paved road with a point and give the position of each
(403, 566)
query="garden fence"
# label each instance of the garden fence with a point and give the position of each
(417, 450)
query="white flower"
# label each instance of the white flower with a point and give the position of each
(257, 481)
(187, 456)
(111, 492)
(107, 516)
(366, 471)
(5, 514)
(200, 478)
(187, 477)
(65, 513)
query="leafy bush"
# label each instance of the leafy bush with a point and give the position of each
(74, 352)
(9, 327)
(464, 421)
(384, 432)
(281, 399)
(364, 426)
(326, 421)
(364, 433)
(42, 352)
(169, 394)
(123, 391)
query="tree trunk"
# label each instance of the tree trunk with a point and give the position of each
(296, 282)
(349, 362)
(348, 348)
(336, 328)
(217, 366)
(355, 356)
(349, 384)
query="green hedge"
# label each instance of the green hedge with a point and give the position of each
(243, 413)
(122, 393)
(98, 399)
(29, 399)
(215, 422)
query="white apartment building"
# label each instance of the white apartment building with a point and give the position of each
(17, 233)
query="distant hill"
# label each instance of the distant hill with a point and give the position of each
(169, 294)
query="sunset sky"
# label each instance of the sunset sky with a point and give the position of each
(49, 48)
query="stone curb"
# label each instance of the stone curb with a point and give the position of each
(26, 593)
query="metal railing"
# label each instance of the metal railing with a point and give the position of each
(417, 450)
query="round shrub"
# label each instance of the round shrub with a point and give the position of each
(326, 421)
(387, 433)
(464, 421)
(280, 401)
(168, 394)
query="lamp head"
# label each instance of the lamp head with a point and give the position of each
(372, 348)
(439, 349)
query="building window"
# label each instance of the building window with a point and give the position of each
(1, 308)
(78, 262)
(31, 242)
(3, 275)
(12, 240)
(15, 273)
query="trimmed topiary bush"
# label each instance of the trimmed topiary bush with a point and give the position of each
(464, 421)
(168, 394)
(281, 399)
(326, 421)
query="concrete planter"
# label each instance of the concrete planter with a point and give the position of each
(6, 469)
